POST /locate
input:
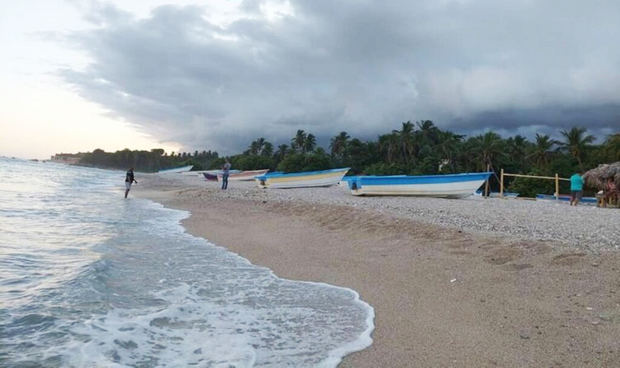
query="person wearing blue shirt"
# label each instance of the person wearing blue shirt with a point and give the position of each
(576, 189)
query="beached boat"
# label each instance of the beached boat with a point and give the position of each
(447, 186)
(176, 170)
(323, 178)
(565, 198)
(243, 175)
(219, 172)
(210, 177)
(344, 182)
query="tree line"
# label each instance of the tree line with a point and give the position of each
(412, 149)
(146, 161)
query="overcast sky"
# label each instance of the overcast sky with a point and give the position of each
(215, 75)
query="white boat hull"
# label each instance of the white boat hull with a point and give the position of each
(244, 175)
(454, 186)
(318, 179)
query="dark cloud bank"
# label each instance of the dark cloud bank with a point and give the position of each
(359, 66)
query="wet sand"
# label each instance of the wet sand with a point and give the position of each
(442, 297)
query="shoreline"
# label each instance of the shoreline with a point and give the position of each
(442, 296)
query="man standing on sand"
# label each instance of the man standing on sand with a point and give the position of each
(576, 189)
(129, 179)
(225, 173)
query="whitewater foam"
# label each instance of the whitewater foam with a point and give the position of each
(120, 283)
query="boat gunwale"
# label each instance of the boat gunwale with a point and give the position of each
(300, 174)
(361, 181)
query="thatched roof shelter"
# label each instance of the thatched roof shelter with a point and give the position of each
(596, 178)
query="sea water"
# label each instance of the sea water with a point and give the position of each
(89, 279)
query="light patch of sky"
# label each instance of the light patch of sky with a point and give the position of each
(276, 10)
(39, 114)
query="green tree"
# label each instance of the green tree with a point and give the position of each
(298, 142)
(282, 151)
(298, 162)
(389, 147)
(338, 145)
(608, 152)
(428, 132)
(541, 151)
(486, 148)
(448, 148)
(267, 149)
(406, 138)
(309, 143)
(576, 143)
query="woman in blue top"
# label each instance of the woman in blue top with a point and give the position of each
(576, 189)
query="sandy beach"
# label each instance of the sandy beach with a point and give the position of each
(454, 283)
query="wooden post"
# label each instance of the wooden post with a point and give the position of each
(557, 187)
(486, 185)
(501, 184)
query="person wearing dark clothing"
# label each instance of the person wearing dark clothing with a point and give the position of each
(225, 173)
(129, 179)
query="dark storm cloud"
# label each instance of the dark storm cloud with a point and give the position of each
(359, 66)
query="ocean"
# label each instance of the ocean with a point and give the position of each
(89, 279)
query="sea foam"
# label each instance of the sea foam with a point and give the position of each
(117, 283)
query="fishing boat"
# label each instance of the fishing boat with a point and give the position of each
(219, 172)
(565, 198)
(344, 182)
(446, 186)
(209, 177)
(176, 170)
(323, 178)
(243, 175)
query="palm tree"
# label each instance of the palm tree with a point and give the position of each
(309, 143)
(517, 147)
(297, 143)
(338, 144)
(256, 146)
(406, 138)
(389, 146)
(487, 148)
(448, 146)
(267, 149)
(281, 152)
(542, 151)
(576, 144)
(610, 150)
(428, 131)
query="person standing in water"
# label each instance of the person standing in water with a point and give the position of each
(225, 173)
(129, 179)
(576, 189)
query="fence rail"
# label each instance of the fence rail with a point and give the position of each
(556, 178)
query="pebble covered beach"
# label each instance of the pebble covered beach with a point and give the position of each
(584, 227)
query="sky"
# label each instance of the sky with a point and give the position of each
(214, 75)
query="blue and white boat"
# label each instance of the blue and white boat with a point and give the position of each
(446, 186)
(566, 198)
(322, 178)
